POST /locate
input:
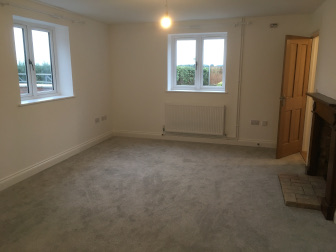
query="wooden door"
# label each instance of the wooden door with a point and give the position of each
(293, 95)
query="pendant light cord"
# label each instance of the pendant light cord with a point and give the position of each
(166, 7)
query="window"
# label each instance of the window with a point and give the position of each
(43, 60)
(197, 62)
(35, 57)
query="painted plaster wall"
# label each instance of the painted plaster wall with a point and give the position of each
(32, 134)
(324, 21)
(139, 63)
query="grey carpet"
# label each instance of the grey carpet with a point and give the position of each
(146, 195)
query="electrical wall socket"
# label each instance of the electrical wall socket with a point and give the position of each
(264, 123)
(104, 118)
(97, 120)
(255, 122)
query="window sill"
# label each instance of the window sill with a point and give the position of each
(197, 91)
(44, 99)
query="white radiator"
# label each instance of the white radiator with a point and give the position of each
(207, 120)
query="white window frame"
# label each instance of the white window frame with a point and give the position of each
(29, 55)
(172, 57)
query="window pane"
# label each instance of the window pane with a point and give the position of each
(41, 46)
(213, 58)
(21, 60)
(185, 62)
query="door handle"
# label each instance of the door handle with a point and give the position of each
(282, 100)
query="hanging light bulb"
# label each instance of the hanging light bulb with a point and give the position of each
(166, 20)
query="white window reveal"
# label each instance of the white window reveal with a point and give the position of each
(197, 62)
(37, 61)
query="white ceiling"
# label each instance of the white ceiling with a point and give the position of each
(121, 11)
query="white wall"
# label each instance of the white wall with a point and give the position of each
(139, 63)
(262, 72)
(34, 136)
(325, 20)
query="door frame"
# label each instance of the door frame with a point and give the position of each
(309, 103)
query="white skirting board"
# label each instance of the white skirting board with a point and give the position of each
(193, 138)
(44, 164)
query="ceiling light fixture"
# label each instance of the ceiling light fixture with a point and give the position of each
(166, 20)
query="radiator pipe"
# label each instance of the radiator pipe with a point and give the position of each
(240, 77)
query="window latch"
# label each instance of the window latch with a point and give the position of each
(31, 63)
(196, 65)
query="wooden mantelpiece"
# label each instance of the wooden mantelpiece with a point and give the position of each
(324, 113)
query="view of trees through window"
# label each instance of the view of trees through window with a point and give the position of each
(43, 77)
(212, 61)
(212, 75)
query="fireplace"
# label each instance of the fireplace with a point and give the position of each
(322, 150)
